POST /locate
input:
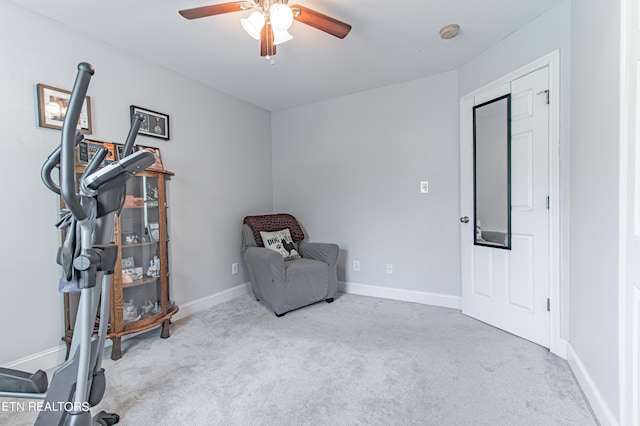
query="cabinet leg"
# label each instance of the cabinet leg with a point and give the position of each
(165, 333)
(67, 341)
(116, 349)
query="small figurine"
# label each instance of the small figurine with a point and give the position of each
(132, 239)
(147, 307)
(130, 311)
(154, 267)
(478, 231)
(152, 192)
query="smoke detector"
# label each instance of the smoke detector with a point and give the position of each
(449, 31)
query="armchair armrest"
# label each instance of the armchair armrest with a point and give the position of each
(325, 252)
(265, 261)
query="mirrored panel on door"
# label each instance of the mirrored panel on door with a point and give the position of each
(492, 173)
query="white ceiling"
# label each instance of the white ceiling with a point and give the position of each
(391, 41)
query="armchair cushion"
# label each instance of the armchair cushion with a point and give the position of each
(281, 242)
(325, 252)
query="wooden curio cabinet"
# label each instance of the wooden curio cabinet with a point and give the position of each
(140, 298)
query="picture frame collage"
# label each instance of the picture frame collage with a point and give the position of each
(88, 148)
(52, 104)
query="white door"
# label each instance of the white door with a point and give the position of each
(509, 289)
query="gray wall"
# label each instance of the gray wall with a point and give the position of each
(595, 46)
(349, 168)
(220, 152)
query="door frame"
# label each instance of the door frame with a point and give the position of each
(558, 307)
(629, 292)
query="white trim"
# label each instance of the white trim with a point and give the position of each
(599, 406)
(562, 348)
(53, 357)
(628, 299)
(626, 107)
(632, 393)
(195, 306)
(555, 253)
(552, 61)
(425, 298)
(44, 360)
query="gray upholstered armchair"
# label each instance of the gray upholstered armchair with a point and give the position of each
(284, 285)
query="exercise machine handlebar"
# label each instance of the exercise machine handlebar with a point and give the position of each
(133, 132)
(67, 155)
(52, 162)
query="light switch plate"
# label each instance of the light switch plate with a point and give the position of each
(424, 187)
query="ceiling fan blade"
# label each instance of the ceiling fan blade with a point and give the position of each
(216, 9)
(322, 22)
(267, 48)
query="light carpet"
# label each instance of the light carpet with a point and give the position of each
(357, 361)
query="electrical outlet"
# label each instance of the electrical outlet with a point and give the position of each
(234, 268)
(424, 187)
(389, 268)
(356, 265)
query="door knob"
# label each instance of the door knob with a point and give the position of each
(464, 219)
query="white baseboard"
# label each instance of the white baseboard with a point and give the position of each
(561, 348)
(53, 357)
(599, 406)
(190, 308)
(425, 298)
(44, 360)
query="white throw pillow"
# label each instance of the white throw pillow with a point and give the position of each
(281, 242)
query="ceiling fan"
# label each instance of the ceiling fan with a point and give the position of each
(271, 19)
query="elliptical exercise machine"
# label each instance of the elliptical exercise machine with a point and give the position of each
(88, 257)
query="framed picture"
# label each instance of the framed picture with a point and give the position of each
(154, 124)
(156, 153)
(94, 146)
(154, 231)
(52, 108)
(82, 153)
(119, 151)
(128, 263)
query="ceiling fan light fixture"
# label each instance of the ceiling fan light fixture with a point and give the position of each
(270, 20)
(281, 16)
(280, 36)
(253, 24)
